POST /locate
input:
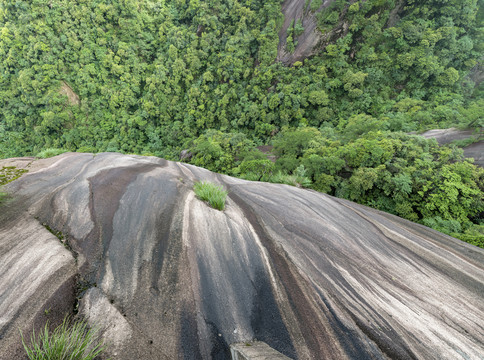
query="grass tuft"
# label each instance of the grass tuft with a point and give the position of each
(214, 194)
(74, 342)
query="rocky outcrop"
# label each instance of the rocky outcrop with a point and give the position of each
(446, 136)
(307, 41)
(165, 276)
(72, 97)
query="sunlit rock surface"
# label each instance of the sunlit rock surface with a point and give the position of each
(165, 276)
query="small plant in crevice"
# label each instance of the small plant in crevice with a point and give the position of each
(62, 238)
(82, 286)
(214, 194)
(69, 341)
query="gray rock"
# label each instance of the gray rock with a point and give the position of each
(475, 151)
(185, 155)
(168, 277)
(446, 136)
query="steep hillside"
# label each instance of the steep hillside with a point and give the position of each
(166, 276)
(144, 77)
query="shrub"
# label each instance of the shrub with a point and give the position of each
(214, 194)
(257, 170)
(47, 153)
(75, 342)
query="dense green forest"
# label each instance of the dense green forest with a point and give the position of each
(154, 78)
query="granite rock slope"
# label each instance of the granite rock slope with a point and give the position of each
(165, 276)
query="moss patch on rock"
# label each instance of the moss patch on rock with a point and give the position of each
(10, 173)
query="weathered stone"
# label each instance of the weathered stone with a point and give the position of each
(313, 276)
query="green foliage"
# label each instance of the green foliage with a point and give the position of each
(474, 235)
(148, 77)
(298, 28)
(315, 4)
(67, 341)
(222, 152)
(47, 153)
(258, 170)
(214, 194)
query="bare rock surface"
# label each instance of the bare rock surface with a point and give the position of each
(476, 151)
(165, 276)
(446, 136)
(311, 40)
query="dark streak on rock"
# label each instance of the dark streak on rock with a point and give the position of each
(353, 349)
(189, 332)
(390, 346)
(107, 188)
(164, 223)
(220, 348)
(298, 301)
(266, 320)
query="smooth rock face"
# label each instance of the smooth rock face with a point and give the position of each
(445, 136)
(167, 277)
(293, 11)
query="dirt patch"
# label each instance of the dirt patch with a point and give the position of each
(72, 97)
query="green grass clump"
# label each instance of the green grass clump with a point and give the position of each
(47, 153)
(74, 342)
(293, 180)
(214, 194)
